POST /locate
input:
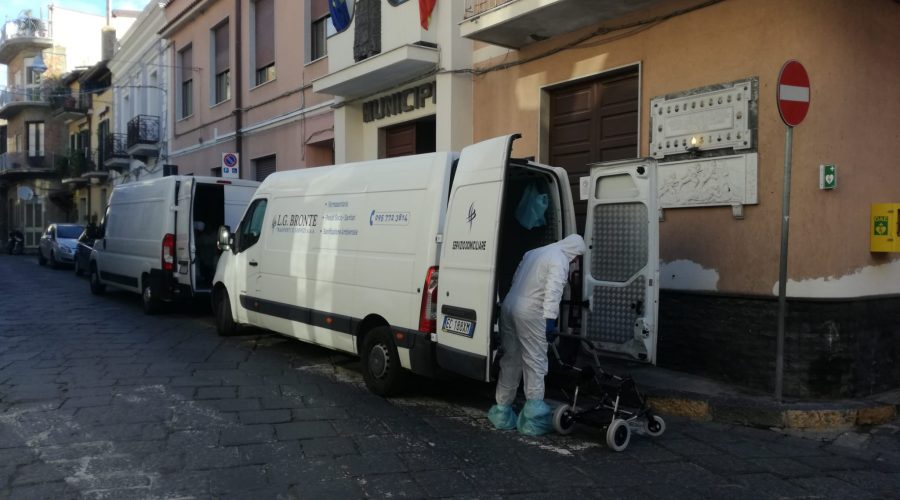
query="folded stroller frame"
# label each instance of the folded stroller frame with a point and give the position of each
(613, 395)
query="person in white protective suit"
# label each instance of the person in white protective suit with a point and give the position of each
(527, 323)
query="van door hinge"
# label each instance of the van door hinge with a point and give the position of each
(439, 238)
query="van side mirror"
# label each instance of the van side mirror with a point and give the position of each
(225, 240)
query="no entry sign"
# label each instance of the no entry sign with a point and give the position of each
(793, 93)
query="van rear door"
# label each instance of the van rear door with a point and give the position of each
(621, 276)
(467, 276)
(184, 233)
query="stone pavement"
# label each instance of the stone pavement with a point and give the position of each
(99, 401)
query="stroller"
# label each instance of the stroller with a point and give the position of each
(610, 395)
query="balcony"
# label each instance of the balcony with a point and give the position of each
(17, 164)
(517, 23)
(404, 54)
(69, 105)
(23, 33)
(115, 151)
(14, 100)
(143, 135)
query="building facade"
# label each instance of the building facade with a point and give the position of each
(395, 81)
(134, 140)
(606, 81)
(241, 85)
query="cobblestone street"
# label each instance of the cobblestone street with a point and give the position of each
(98, 400)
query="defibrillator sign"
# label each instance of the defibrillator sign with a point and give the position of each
(880, 225)
(884, 235)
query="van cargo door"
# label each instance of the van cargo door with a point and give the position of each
(184, 231)
(466, 284)
(621, 279)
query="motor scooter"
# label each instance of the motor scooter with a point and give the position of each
(16, 243)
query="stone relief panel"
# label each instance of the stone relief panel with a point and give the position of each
(707, 182)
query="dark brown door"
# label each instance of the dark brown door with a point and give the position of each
(400, 140)
(593, 121)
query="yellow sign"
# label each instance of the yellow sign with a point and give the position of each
(884, 229)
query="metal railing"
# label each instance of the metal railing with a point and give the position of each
(23, 94)
(115, 146)
(18, 160)
(143, 129)
(478, 7)
(71, 101)
(23, 27)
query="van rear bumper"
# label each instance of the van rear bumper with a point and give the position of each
(421, 351)
(167, 288)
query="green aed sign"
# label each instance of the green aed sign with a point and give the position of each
(880, 225)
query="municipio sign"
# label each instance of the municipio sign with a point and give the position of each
(793, 93)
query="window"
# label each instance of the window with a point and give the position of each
(35, 139)
(318, 36)
(251, 227)
(222, 90)
(187, 82)
(264, 39)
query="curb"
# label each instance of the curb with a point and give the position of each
(759, 412)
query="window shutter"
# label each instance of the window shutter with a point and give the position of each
(221, 37)
(264, 167)
(318, 9)
(265, 33)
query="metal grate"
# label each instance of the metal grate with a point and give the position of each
(614, 312)
(619, 242)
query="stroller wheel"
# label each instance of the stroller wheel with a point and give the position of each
(618, 435)
(563, 419)
(655, 426)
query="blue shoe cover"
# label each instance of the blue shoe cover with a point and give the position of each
(536, 418)
(502, 416)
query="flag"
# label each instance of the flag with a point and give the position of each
(340, 14)
(425, 8)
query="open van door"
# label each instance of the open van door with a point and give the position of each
(621, 275)
(468, 264)
(184, 232)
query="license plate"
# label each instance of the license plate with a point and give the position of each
(458, 326)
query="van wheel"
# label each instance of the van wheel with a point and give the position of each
(225, 324)
(78, 270)
(97, 287)
(381, 364)
(53, 262)
(149, 300)
(41, 260)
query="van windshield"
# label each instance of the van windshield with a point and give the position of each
(69, 232)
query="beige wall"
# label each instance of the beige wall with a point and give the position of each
(849, 50)
(280, 117)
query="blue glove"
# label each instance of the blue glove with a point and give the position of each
(551, 330)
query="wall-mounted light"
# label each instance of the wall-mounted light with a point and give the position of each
(696, 142)
(37, 65)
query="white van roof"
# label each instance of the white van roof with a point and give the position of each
(389, 174)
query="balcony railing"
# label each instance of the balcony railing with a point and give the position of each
(23, 94)
(18, 161)
(115, 150)
(71, 102)
(476, 7)
(143, 129)
(23, 27)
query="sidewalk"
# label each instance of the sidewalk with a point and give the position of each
(703, 399)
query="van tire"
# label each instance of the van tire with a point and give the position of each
(151, 303)
(41, 260)
(225, 325)
(381, 363)
(78, 270)
(97, 287)
(53, 262)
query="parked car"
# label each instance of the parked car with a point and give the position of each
(58, 244)
(83, 250)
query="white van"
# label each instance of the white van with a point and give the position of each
(404, 261)
(158, 237)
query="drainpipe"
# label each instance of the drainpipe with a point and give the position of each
(238, 86)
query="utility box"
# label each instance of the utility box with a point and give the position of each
(884, 228)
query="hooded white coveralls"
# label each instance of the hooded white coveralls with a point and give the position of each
(537, 288)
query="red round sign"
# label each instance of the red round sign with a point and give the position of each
(793, 93)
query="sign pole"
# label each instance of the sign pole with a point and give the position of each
(782, 261)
